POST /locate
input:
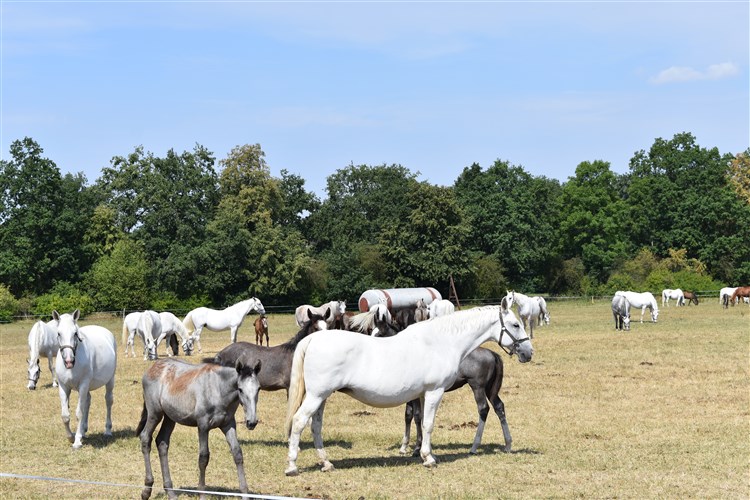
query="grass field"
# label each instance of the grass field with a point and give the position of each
(662, 411)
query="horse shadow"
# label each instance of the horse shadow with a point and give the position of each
(303, 445)
(99, 440)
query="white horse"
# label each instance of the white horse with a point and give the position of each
(42, 344)
(621, 312)
(365, 322)
(420, 362)
(728, 291)
(147, 325)
(86, 361)
(642, 301)
(528, 309)
(230, 318)
(676, 295)
(171, 325)
(337, 308)
(440, 307)
(543, 312)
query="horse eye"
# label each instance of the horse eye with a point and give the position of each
(241, 391)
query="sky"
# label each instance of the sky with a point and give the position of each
(431, 86)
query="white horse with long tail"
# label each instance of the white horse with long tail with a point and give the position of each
(86, 361)
(217, 320)
(642, 301)
(528, 308)
(42, 344)
(420, 362)
(147, 325)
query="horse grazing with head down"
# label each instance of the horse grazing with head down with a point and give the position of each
(42, 344)
(642, 301)
(740, 292)
(621, 312)
(205, 396)
(171, 328)
(691, 297)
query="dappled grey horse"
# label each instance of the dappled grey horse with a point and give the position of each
(621, 312)
(205, 396)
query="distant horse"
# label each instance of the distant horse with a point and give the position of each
(261, 329)
(147, 325)
(675, 294)
(337, 308)
(230, 318)
(421, 362)
(171, 327)
(642, 301)
(276, 360)
(621, 312)
(440, 307)
(42, 344)
(365, 322)
(86, 361)
(543, 312)
(421, 313)
(528, 309)
(482, 369)
(725, 293)
(691, 297)
(740, 292)
(205, 396)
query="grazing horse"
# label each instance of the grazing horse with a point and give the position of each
(740, 292)
(642, 301)
(421, 362)
(42, 344)
(171, 327)
(725, 293)
(86, 361)
(675, 294)
(440, 307)
(337, 308)
(543, 312)
(691, 297)
(261, 329)
(230, 318)
(621, 312)
(528, 309)
(482, 369)
(147, 325)
(276, 360)
(205, 396)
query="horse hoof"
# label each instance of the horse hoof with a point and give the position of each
(77, 446)
(327, 467)
(430, 464)
(291, 472)
(473, 452)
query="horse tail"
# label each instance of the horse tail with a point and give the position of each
(296, 383)
(146, 325)
(125, 332)
(142, 423)
(35, 336)
(492, 389)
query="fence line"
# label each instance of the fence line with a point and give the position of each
(124, 485)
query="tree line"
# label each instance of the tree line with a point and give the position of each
(183, 230)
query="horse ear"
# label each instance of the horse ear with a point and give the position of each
(56, 315)
(256, 368)
(327, 314)
(309, 314)
(504, 304)
(76, 314)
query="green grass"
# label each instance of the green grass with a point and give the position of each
(662, 411)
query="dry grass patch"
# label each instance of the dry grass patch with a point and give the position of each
(661, 411)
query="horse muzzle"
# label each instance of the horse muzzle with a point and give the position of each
(251, 425)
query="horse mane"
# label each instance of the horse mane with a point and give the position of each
(303, 332)
(456, 322)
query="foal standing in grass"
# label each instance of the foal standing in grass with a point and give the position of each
(204, 396)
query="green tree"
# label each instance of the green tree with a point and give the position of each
(513, 216)
(120, 280)
(594, 219)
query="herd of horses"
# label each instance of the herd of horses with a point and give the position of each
(378, 368)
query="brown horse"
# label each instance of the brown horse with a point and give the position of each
(741, 292)
(691, 297)
(261, 329)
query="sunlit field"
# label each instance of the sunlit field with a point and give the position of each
(660, 411)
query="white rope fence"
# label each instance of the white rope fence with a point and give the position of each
(121, 485)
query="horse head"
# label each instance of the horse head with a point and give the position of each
(68, 336)
(513, 337)
(257, 305)
(248, 387)
(34, 373)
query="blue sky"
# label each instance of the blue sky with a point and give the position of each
(433, 86)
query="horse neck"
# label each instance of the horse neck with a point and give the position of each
(466, 330)
(37, 331)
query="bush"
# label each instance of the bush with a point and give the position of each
(63, 298)
(169, 301)
(8, 304)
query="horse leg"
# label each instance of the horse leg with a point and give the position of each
(52, 371)
(643, 311)
(109, 398)
(233, 333)
(203, 457)
(130, 343)
(309, 406)
(65, 404)
(408, 417)
(145, 436)
(418, 424)
(230, 433)
(197, 337)
(317, 431)
(430, 402)
(162, 444)
(483, 408)
(84, 403)
(267, 344)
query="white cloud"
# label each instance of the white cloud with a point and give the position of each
(676, 74)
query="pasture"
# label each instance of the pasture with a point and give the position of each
(660, 411)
